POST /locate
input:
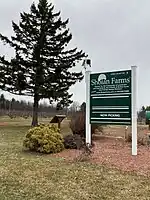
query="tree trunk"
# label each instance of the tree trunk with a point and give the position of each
(35, 111)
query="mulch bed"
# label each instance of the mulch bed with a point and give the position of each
(116, 154)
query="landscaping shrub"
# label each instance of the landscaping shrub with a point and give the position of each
(44, 139)
(73, 142)
(77, 125)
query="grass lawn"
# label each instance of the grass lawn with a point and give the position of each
(31, 176)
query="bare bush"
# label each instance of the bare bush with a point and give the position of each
(77, 125)
(142, 138)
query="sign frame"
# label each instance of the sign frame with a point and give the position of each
(133, 106)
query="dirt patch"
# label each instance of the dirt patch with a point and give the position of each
(3, 123)
(116, 154)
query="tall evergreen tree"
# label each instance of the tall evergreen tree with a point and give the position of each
(43, 64)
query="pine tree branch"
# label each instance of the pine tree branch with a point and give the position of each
(5, 40)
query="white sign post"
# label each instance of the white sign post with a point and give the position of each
(87, 81)
(134, 110)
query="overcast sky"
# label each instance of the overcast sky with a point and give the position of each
(115, 34)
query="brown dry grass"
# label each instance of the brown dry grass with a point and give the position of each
(31, 176)
(126, 134)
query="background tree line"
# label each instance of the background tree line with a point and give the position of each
(14, 104)
(22, 108)
(13, 108)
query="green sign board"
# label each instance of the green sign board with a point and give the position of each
(148, 117)
(110, 98)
